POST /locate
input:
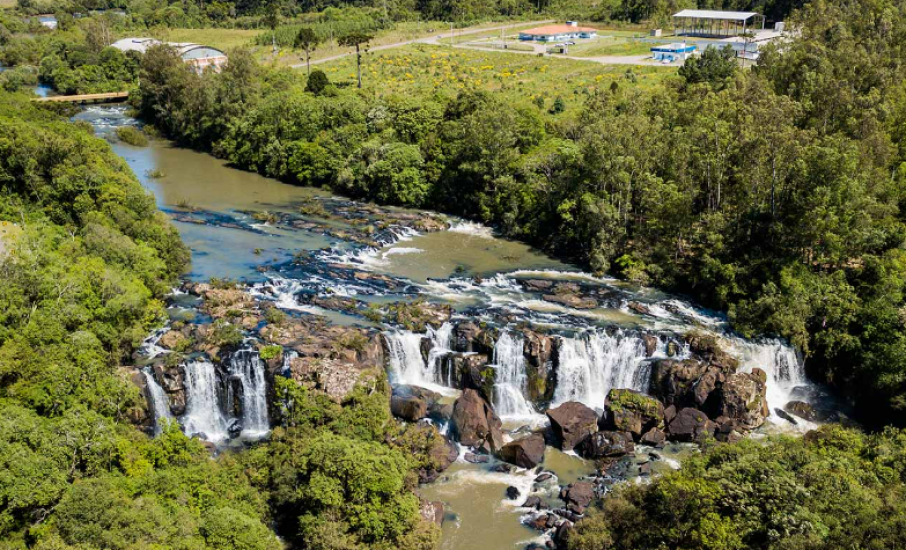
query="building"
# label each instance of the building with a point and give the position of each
(673, 52)
(558, 33)
(713, 23)
(198, 56)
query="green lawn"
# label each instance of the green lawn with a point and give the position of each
(610, 45)
(422, 69)
(222, 39)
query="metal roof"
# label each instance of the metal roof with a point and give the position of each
(142, 44)
(714, 14)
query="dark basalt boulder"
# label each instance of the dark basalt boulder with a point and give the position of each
(651, 343)
(743, 398)
(527, 452)
(571, 423)
(606, 444)
(578, 496)
(469, 337)
(411, 403)
(540, 353)
(690, 425)
(476, 458)
(803, 410)
(571, 300)
(632, 411)
(532, 502)
(512, 493)
(654, 437)
(468, 370)
(686, 383)
(537, 285)
(475, 422)
(707, 347)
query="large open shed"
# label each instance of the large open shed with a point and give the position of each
(714, 23)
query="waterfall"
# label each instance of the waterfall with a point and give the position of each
(408, 366)
(593, 363)
(511, 382)
(784, 367)
(159, 401)
(203, 413)
(248, 368)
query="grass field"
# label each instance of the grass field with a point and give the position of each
(7, 3)
(609, 45)
(422, 69)
(222, 39)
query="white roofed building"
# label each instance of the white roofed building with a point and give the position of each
(198, 56)
(716, 23)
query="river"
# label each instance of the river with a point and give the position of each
(231, 220)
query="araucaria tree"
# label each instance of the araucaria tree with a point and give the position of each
(356, 39)
(308, 40)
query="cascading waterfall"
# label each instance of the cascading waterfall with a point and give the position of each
(203, 414)
(512, 381)
(784, 367)
(246, 366)
(408, 366)
(159, 402)
(593, 363)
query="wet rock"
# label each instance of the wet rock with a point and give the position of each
(690, 425)
(632, 411)
(417, 316)
(578, 496)
(503, 468)
(537, 285)
(432, 511)
(653, 437)
(512, 493)
(540, 352)
(476, 458)
(440, 412)
(469, 370)
(527, 452)
(673, 348)
(645, 469)
(532, 502)
(561, 537)
(475, 422)
(786, 416)
(707, 347)
(469, 337)
(234, 429)
(686, 383)
(638, 307)
(571, 300)
(409, 408)
(651, 343)
(571, 423)
(743, 397)
(727, 430)
(669, 413)
(803, 410)
(606, 444)
(542, 477)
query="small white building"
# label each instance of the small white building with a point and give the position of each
(558, 33)
(198, 56)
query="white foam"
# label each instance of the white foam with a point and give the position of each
(473, 229)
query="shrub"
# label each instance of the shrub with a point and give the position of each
(132, 136)
(317, 82)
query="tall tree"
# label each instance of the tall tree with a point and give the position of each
(356, 39)
(308, 40)
(272, 18)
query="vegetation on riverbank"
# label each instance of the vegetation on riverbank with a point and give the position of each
(834, 488)
(772, 193)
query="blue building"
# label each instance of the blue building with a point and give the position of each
(673, 52)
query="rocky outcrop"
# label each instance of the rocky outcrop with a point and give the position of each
(475, 422)
(578, 496)
(411, 403)
(606, 444)
(690, 425)
(742, 397)
(571, 300)
(335, 377)
(469, 371)
(469, 337)
(633, 412)
(540, 353)
(172, 381)
(527, 452)
(571, 423)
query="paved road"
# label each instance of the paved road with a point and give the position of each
(433, 39)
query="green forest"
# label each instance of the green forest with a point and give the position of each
(775, 193)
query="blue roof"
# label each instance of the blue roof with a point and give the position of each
(674, 48)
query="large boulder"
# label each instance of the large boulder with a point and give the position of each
(802, 410)
(469, 337)
(742, 397)
(578, 496)
(475, 422)
(707, 347)
(690, 424)
(527, 452)
(572, 422)
(675, 382)
(540, 355)
(412, 403)
(606, 444)
(632, 411)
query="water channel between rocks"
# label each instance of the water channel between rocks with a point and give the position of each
(217, 210)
